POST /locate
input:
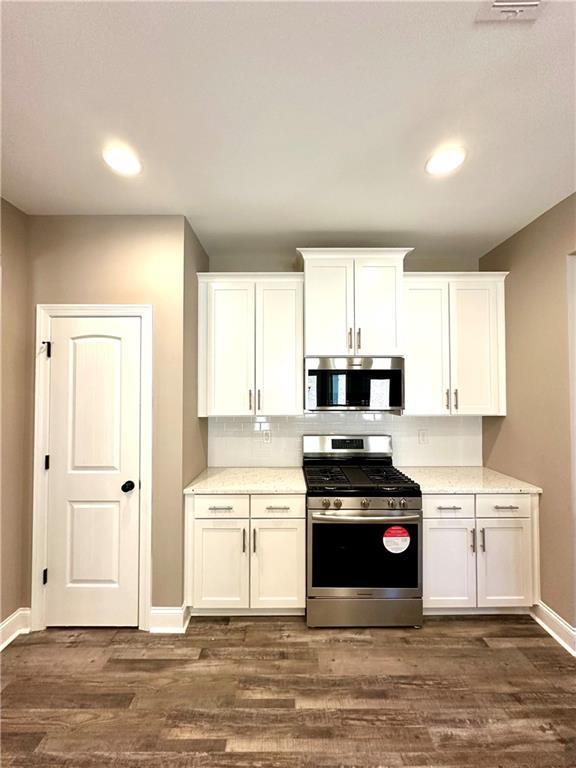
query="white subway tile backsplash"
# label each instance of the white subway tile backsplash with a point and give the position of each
(242, 441)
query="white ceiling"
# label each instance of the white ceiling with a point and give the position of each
(276, 125)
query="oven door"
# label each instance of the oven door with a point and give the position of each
(351, 555)
(354, 384)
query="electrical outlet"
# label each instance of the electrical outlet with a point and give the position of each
(422, 437)
(266, 436)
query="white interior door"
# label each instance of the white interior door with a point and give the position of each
(449, 563)
(278, 564)
(93, 526)
(504, 562)
(329, 306)
(475, 354)
(279, 356)
(231, 348)
(377, 305)
(221, 564)
(426, 346)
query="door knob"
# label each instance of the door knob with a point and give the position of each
(127, 486)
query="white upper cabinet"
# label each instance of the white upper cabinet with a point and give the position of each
(427, 346)
(329, 306)
(250, 355)
(353, 301)
(455, 344)
(279, 354)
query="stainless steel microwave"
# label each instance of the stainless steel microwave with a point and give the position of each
(354, 384)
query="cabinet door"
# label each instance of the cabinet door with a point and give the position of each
(477, 347)
(279, 356)
(278, 564)
(230, 348)
(377, 305)
(449, 561)
(504, 562)
(426, 346)
(329, 306)
(221, 564)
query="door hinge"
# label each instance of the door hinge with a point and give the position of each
(48, 345)
(47, 461)
(45, 576)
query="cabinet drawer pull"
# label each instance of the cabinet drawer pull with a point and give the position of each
(483, 542)
(259, 406)
(456, 399)
(359, 338)
(277, 509)
(249, 399)
(254, 540)
(220, 509)
(243, 540)
(448, 507)
(349, 338)
(447, 399)
(473, 545)
(508, 506)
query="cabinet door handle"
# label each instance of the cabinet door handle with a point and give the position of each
(243, 540)
(447, 399)
(249, 399)
(456, 399)
(448, 507)
(220, 509)
(483, 542)
(359, 338)
(509, 506)
(349, 338)
(259, 398)
(277, 509)
(473, 545)
(254, 540)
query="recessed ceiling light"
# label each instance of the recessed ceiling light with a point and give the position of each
(446, 160)
(122, 159)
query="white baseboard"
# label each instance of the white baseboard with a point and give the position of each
(18, 623)
(519, 610)
(556, 626)
(169, 620)
(247, 612)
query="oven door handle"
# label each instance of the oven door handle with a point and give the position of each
(322, 517)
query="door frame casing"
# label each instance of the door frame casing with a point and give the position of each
(44, 315)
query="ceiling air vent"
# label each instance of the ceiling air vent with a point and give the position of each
(510, 10)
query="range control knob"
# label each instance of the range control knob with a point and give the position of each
(337, 503)
(402, 504)
(391, 503)
(365, 503)
(326, 503)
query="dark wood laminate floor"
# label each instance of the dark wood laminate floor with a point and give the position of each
(489, 693)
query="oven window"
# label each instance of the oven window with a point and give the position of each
(372, 389)
(374, 555)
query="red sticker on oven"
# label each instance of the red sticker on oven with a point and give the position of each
(396, 539)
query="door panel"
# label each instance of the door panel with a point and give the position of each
(329, 306)
(278, 566)
(427, 347)
(504, 562)
(449, 564)
(377, 305)
(279, 356)
(221, 564)
(93, 527)
(231, 348)
(474, 347)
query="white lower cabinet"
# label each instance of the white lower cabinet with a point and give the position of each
(277, 564)
(504, 562)
(221, 564)
(449, 563)
(480, 562)
(246, 562)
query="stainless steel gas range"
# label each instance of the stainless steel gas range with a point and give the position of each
(364, 546)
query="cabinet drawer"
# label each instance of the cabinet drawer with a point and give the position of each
(221, 506)
(503, 505)
(275, 505)
(450, 505)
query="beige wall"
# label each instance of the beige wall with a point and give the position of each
(16, 411)
(135, 260)
(533, 441)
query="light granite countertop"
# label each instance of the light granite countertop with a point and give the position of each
(291, 480)
(466, 480)
(248, 480)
